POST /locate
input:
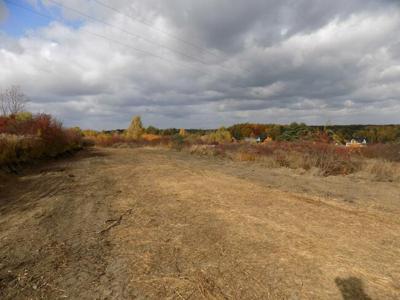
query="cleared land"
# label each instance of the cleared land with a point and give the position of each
(155, 224)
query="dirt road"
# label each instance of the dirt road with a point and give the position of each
(156, 224)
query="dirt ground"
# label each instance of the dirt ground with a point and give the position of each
(157, 224)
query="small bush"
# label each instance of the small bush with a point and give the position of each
(218, 137)
(331, 160)
(389, 152)
(177, 142)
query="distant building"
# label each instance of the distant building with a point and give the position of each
(257, 140)
(357, 142)
(268, 140)
(251, 140)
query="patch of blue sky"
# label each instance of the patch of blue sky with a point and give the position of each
(22, 17)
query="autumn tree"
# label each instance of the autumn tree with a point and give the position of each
(294, 131)
(152, 130)
(136, 129)
(182, 132)
(222, 135)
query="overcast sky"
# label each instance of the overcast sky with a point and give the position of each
(208, 63)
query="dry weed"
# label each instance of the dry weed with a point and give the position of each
(206, 150)
(382, 170)
(245, 156)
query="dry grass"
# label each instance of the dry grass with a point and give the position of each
(322, 159)
(328, 159)
(319, 158)
(245, 156)
(206, 150)
(382, 170)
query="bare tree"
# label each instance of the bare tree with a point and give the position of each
(12, 101)
(3, 106)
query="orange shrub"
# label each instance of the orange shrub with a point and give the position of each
(151, 137)
(25, 139)
(107, 140)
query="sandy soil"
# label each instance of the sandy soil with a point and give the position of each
(157, 224)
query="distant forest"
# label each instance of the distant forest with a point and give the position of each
(297, 131)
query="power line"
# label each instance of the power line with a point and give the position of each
(172, 36)
(127, 32)
(123, 30)
(99, 35)
(136, 35)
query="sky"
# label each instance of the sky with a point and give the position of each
(204, 64)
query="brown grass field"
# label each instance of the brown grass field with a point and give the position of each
(152, 223)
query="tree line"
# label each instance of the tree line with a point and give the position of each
(338, 134)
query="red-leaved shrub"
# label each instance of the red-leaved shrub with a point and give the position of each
(35, 137)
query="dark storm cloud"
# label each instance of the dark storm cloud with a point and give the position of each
(272, 61)
(227, 24)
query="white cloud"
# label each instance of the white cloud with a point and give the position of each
(340, 65)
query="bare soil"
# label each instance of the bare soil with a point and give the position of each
(157, 224)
